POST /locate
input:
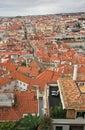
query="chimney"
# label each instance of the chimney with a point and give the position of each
(56, 67)
(75, 72)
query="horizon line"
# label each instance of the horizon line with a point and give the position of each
(62, 13)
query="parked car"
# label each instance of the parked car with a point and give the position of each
(55, 93)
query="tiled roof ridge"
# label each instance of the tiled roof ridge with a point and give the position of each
(52, 75)
(72, 97)
(64, 94)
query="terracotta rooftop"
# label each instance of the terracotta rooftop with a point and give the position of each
(25, 102)
(10, 67)
(49, 75)
(20, 76)
(29, 70)
(81, 76)
(71, 95)
(34, 64)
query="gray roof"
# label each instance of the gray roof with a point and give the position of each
(6, 99)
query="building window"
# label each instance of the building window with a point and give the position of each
(80, 114)
(17, 81)
(20, 82)
(59, 128)
(24, 84)
(76, 128)
(82, 84)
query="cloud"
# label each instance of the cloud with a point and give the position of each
(34, 7)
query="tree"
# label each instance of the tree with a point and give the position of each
(77, 25)
(46, 123)
(58, 112)
(29, 122)
(23, 63)
(7, 125)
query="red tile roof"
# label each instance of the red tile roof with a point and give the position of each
(34, 64)
(8, 114)
(71, 95)
(68, 69)
(5, 80)
(29, 70)
(49, 75)
(24, 69)
(20, 76)
(10, 67)
(81, 69)
(25, 102)
(54, 58)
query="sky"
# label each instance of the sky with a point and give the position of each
(40, 7)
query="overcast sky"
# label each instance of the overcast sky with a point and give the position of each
(36, 7)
